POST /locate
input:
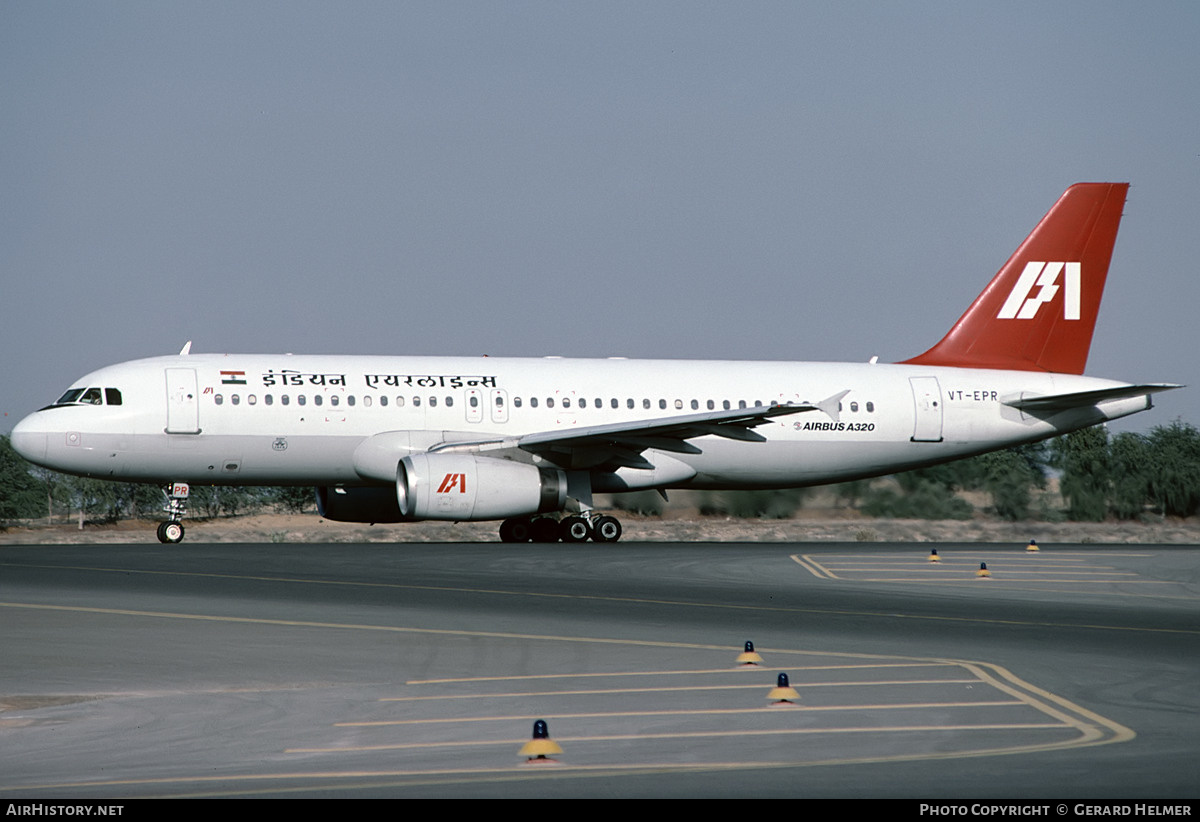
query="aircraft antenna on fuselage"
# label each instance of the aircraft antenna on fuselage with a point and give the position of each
(187, 349)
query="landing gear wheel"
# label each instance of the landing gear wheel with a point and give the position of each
(574, 529)
(515, 530)
(170, 532)
(606, 529)
(544, 529)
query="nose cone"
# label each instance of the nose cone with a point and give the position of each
(29, 439)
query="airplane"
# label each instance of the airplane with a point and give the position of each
(523, 441)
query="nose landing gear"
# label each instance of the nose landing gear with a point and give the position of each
(171, 531)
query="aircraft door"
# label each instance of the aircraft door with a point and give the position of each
(499, 404)
(474, 398)
(927, 401)
(183, 402)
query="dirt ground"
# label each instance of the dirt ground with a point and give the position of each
(815, 525)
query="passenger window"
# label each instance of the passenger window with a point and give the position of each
(333, 399)
(629, 403)
(549, 402)
(870, 408)
(218, 399)
(383, 400)
(269, 399)
(350, 400)
(533, 402)
(517, 402)
(615, 403)
(112, 396)
(566, 402)
(853, 406)
(741, 403)
(725, 405)
(662, 404)
(235, 399)
(711, 405)
(449, 401)
(367, 401)
(318, 399)
(301, 399)
(433, 402)
(252, 400)
(416, 401)
(695, 405)
(284, 400)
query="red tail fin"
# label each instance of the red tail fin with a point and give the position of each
(1038, 313)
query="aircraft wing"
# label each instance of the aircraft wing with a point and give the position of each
(621, 444)
(1082, 399)
(612, 446)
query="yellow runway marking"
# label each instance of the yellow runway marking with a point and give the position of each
(550, 715)
(740, 732)
(1007, 570)
(735, 671)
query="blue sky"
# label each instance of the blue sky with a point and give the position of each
(759, 180)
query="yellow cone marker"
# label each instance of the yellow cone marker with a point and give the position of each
(541, 746)
(748, 658)
(983, 571)
(1031, 547)
(933, 556)
(783, 694)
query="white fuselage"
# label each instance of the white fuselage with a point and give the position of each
(284, 419)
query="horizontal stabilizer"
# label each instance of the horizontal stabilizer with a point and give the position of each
(1082, 399)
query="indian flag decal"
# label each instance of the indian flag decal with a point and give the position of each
(233, 378)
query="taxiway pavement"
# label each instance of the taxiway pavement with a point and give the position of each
(418, 670)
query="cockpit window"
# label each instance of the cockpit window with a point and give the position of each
(89, 396)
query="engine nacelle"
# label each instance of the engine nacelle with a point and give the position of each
(371, 504)
(463, 487)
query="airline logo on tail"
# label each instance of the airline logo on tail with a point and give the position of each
(1044, 277)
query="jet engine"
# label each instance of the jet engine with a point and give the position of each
(464, 487)
(458, 487)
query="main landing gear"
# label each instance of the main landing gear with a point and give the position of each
(171, 531)
(600, 528)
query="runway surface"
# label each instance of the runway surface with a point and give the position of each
(419, 670)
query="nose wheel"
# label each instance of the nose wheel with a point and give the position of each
(171, 532)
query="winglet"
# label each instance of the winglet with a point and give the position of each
(1039, 311)
(187, 349)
